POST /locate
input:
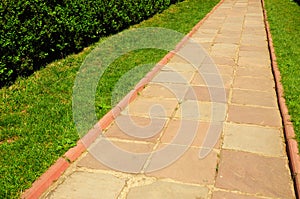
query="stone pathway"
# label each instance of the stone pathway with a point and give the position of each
(220, 134)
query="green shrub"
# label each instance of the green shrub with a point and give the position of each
(34, 32)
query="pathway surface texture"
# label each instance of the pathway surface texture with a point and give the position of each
(217, 132)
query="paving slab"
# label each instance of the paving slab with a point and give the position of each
(254, 115)
(165, 91)
(254, 61)
(231, 195)
(207, 94)
(224, 49)
(192, 52)
(255, 72)
(179, 132)
(147, 107)
(189, 168)
(180, 67)
(256, 98)
(216, 69)
(212, 80)
(251, 83)
(254, 174)
(167, 190)
(255, 139)
(202, 111)
(88, 185)
(227, 39)
(173, 77)
(221, 60)
(131, 157)
(136, 128)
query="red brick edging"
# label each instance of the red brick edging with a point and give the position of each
(292, 145)
(60, 166)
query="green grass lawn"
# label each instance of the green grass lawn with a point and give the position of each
(284, 20)
(36, 121)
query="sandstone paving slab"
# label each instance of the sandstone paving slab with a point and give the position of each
(225, 29)
(253, 48)
(254, 115)
(211, 26)
(230, 19)
(254, 19)
(208, 68)
(238, 10)
(205, 45)
(261, 54)
(190, 132)
(201, 38)
(258, 25)
(258, 16)
(227, 39)
(255, 139)
(254, 62)
(250, 97)
(188, 168)
(219, 60)
(180, 67)
(100, 158)
(250, 83)
(229, 33)
(136, 128)
(259, 72)
(204, 39)
(216, 20)
(256, 41)
(254, 14)
(254, 174)
(224, 50)
(232, 25)
(255, 31)
(193, 52)
(89, 185)
(165, 91)
(254, 26)
(207, 31)
(216, 69)
(255, 7)
(89, 161)
(168, 190)
(230, 195)
(207, 94)
(173, 77)
(202, 111)
(212, 80)
(241, 4)
(151, 107)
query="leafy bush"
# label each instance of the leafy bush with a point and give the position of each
(34, 32)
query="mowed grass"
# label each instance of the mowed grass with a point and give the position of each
(36, 119)
(284, 20)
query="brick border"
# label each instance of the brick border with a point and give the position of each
(46, 180)
(292, 145)
(61, 165)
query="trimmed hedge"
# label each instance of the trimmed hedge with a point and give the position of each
(34, 32)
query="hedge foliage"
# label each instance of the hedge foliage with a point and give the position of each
(34, 32)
